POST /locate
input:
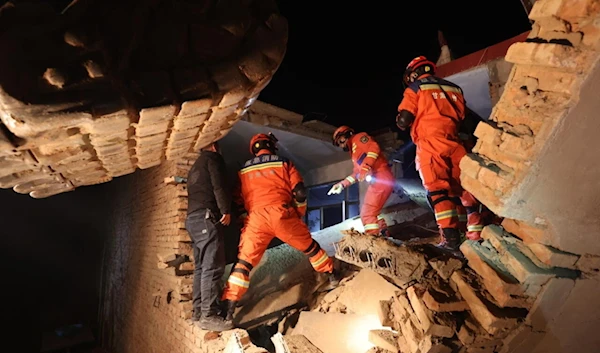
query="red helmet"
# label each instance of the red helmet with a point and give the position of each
(263, 142)
(417, 67)
(342, 134)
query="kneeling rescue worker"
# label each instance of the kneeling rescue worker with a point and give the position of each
(274, 196)
(434, 108)
(371, 166)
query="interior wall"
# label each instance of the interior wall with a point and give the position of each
(51, 252)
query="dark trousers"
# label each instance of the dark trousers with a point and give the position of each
(209, 260)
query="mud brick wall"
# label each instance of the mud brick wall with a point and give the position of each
(148, 268)
(84, 100)
(534, 165)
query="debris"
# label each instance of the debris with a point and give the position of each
(384, 339)
(445, 267)
(400, 263)
(363, 294)
(493, 319)
(384, 313)
(293, 344)
(174, 180)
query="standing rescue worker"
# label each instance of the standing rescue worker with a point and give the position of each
(209, 203)
(273, 194)
(434, 108)
(371, 166)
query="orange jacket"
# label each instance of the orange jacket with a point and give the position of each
(366, 156)
(268, 180)
(427, 99)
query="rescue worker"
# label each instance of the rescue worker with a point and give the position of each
(433, 109)
(272, 192)
(369, 165)
(209, 210)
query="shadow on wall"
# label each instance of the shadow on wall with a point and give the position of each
(51, 251)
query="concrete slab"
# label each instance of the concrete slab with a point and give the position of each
(338, 333)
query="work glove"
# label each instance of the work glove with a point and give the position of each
(336, 189)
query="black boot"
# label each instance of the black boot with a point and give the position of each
(229, 306)
(214, 322)
(451, 239)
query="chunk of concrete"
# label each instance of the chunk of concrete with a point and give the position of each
(549, 303)
(337, 333)
(293, 344)
(362, 294)
(384, 339)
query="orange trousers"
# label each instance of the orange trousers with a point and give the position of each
(377, 194)
(260, 228)
(438, 162)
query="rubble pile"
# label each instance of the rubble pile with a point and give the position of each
(427, 301)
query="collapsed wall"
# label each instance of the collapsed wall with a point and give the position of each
(84, 100)
(534, 164)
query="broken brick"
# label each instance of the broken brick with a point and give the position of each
(427, 319)
(384, 313)
(525, 232)
(434, 302)
(522, 267)
(502, 286)
(553, 257)
(445, 267)
(488, 133)
(493, 319)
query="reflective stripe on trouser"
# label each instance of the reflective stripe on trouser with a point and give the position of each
(318, 258)
(474, 219)
(462, 214)
(375, 197)
(262, 226)
(382, 223)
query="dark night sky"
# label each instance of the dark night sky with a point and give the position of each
(346, 60)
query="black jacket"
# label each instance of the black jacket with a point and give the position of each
(207, 185)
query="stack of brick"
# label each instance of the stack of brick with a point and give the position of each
(544, 84)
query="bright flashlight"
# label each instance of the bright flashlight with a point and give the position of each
(369, 178)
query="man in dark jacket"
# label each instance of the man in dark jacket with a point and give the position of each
(209, 202)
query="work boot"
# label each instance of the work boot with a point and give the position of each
(450, 239)
(196, 315)
(229, 306)
(214, 323)
(385, 233)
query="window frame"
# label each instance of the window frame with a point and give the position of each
(346, 203)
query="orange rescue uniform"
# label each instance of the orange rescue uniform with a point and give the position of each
(367, 159)
(266, 184)
(439, 150)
